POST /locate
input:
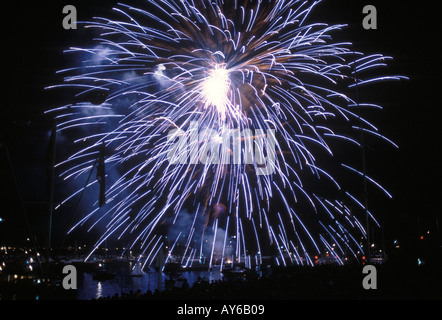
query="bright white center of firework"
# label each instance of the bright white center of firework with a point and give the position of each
(216, 87)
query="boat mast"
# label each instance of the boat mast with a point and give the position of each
(364, 168)
(51, 169)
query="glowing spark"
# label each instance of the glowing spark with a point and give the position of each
(215, 90)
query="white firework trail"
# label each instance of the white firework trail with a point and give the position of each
(178, 77)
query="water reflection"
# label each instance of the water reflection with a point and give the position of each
(99, 290)
(124, 282)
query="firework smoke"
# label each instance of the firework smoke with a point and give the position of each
(197, 98)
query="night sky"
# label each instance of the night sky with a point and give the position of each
(33, 40)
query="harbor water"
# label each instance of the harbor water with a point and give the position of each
(124, 281)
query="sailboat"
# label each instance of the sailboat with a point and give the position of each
(136, 271)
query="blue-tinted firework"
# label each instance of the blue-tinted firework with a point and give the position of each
(175, 78)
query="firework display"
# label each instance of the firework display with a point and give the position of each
(213, 128)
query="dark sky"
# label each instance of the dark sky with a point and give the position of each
(33, 40)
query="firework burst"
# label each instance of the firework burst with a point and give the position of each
(215, 115)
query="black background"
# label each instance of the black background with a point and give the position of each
(33, 40)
